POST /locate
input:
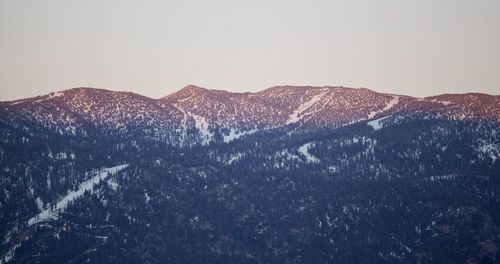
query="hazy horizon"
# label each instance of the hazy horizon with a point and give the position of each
(154, 48)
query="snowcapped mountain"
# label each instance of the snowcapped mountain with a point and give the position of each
(195, 114)
(72, 111)
(285, 175)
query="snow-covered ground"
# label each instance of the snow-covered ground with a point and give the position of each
(377, 123)
(10, 254)
(88, 185)
(202, 126)
(200, 123)
(441, 102)
(234, 158)
(233, 135)
(394, 101)
(297, 114)
(183, 122)
(304, 150)
(487, 149)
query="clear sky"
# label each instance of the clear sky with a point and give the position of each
(420, 47)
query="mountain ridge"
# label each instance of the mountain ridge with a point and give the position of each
(204, 115)
(201, 88)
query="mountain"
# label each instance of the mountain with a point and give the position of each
(284, 175)
(195, 114)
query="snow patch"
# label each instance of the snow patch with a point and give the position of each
(113, 184)
(10, 254)
(233, 135)
(183, 122)
(233, 158)
(394, 101)
(202, 126)
(377, 123)
(332, 169)
(17, 102)
(297, 114)
(286, 155)
(58, 94)
(441, 102)
(488, 149)
(39, 203)
(304, 150)
(88, 185)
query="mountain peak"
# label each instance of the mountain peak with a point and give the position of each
(193, 88)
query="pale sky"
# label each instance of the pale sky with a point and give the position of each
(419, 48)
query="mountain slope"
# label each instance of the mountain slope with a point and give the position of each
(197, 115)
(414, 189)
(285, 175)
